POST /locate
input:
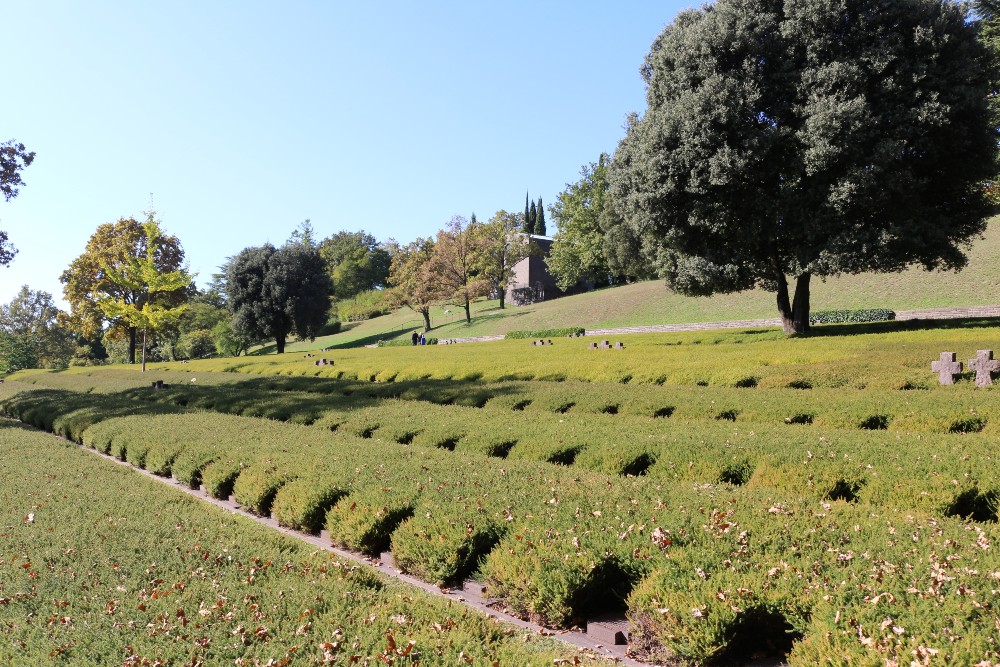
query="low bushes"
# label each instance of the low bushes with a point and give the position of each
(99, 573)
(561, 332)
(851, 316)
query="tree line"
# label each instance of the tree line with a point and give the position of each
(132, 297)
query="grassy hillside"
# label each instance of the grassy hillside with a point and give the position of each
(650, 302)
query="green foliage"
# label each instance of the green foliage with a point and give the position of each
(14, 157)
(846, 316)
(196, 344)
(33, 334)
(722, 539)
(356, 262)
(366, 305)
(17, 353)
(501, 248)
(545, 333)
(276, 293)
(578, 251)
(539, 228)
(773, 145)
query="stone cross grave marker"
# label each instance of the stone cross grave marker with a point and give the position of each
(947, 368)
(984, 364)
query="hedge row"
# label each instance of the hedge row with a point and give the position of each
(560, 332)
(682, 445)
(705, 568)
(302, 399)
(851, 316)
(93, 571)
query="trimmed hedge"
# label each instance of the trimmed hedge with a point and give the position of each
(851, 316)
(544, 333)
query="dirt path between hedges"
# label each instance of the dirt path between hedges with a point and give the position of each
(923, 314)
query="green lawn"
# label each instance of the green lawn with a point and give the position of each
(650, 302)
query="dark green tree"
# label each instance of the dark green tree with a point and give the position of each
(807, 138)
(532, 219)
(13, 159)
(539, 229)
(529, 226)
(988, 14)
(276, 293)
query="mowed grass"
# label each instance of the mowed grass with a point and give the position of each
(892, 355)
(650, 302)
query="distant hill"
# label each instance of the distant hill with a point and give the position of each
(650, 302)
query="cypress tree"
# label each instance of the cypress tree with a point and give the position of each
(529, 226)
(532, 216)
(540, 219)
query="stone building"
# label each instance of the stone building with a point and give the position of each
(532, 281)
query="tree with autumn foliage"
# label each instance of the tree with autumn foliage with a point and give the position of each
(114, 251)
(501, 245)
(155, 307)
(455, 264)
(413, 279)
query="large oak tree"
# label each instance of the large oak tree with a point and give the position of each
(274, 293)
(807, 138)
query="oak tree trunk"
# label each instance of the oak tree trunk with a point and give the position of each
(794, 314)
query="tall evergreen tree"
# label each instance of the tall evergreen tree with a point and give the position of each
(529, 226)
(532, 217)
(540, 219)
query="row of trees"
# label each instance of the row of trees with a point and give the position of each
(534, 217)
(130, 292)
(466, 260)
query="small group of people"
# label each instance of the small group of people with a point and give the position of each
(418, 339)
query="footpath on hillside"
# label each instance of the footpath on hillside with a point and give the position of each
(923, 314)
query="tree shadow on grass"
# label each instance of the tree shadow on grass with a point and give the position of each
(895, 326)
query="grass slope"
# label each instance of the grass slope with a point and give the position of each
(650, 302)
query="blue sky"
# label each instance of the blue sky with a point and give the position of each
(243, 119)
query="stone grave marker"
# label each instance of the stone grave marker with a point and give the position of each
(610, 630)
(985, 365)
(619, 345)
(947, 368)
(605, 345)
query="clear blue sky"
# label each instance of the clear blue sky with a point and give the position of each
(245, 118)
